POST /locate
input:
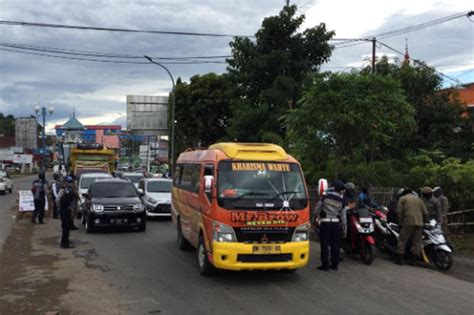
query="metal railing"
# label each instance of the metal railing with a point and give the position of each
(461, 221)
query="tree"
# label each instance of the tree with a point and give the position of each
(268, 74)
(7, 125)
(438, 111)
(348, 118)
(202, 111)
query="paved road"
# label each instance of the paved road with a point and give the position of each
(6, 203)
(151, 275)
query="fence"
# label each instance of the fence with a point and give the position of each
(461, 221)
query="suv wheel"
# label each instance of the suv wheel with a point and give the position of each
(89, 225)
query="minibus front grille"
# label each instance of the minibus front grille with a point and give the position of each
(248, 258)
(264, 235)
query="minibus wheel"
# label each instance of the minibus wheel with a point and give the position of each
(205, 267)
(183, 243)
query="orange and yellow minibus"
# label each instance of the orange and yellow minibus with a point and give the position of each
(244, 206)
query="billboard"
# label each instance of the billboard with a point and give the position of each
(26, 132)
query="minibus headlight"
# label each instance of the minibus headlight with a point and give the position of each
(301, 233)
(223, 232)
(152, 200)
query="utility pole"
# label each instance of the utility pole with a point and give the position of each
(287, 3)
(374, 41)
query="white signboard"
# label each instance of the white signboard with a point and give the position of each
(26, 201)
(6, 156)
(23, 158)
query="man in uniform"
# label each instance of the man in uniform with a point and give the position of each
(412, 214)
(432, 204)
(67, 197)
(444, 202)
(329, 209)
(39, 196)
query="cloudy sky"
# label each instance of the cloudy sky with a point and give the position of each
(97, 91)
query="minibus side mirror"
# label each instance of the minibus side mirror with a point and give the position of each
(208, 183)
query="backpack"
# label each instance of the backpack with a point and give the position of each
(67, 198)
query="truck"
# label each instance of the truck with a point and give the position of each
(92, 158)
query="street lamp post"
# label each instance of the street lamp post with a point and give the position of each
(173, 121)
(43, 110)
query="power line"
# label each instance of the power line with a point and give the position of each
(404, 30)
(418, 62)
(111, 61)
(128, 30)
(99, 54)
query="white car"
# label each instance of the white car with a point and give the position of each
(6, 185)
(85, 182)
(134, 178)
(156, 196)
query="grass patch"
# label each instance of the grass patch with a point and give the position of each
(463, 243)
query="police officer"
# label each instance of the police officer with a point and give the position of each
(444, 202)
(329, 209)
(432, 204)
(53, 194)
(38, 189)
(411, 215)
(67, 197)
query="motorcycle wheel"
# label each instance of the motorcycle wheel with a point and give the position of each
(367, 254)
(443, 260)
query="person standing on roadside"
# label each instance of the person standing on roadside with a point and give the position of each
(329, 209)
(53, 193)
(67, 196)
(74, 205)
(38, 189)
(432, 204)
(412, 215)
(444, 202)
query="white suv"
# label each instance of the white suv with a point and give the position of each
(85, 182)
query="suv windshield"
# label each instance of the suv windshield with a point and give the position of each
(133, 178)
(87, 181)
(261, 185)
(159, 186)
(113, 190)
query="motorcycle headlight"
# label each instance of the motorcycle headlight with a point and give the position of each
(152, 200)
(97, 208)
(223, 232)
(301, 233)
(138, 207)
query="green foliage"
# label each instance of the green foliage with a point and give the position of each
(268, 73)
(349, 117)
(7, 125)
(202, 111)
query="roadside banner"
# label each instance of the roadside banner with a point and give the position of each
(26, 201)
(23, 158)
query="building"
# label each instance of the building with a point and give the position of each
(26, 133)
(147, 116)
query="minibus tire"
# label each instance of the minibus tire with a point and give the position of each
(183, 243)
(204, 266)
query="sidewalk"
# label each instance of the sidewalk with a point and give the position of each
(39, 277)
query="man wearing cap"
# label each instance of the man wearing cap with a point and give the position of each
(444, 202)
(411, 215)
(329, 209)
(432, 204)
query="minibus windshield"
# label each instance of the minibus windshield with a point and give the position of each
(260, 185)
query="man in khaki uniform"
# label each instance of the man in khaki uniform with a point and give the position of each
(444, 202)
(432, 204)
(411, 215)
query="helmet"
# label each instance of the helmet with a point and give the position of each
(69, 179)
(339, 185)
(56, 176)
(350, 186)
(41, 175)
(400, 192)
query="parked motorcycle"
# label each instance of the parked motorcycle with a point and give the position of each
(435, 250)
(359, 238)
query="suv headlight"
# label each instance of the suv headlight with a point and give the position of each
(223, 232)
(138, 207)
(97, 208)
(152, 200)
(301, 233)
